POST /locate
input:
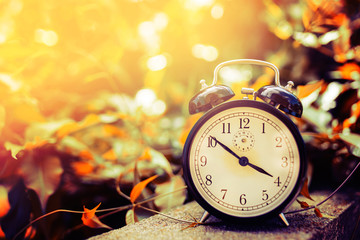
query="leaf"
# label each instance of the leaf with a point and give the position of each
(19, 214)
(91, 220)
(318, 213)
(174, 199)
(9, 165)
(306, 90)
(41, 170)
(4, 202)
(82, 168)
(303, 204)
(354, 140)
(136, 191)
(348, 69)
(305, 190)
(131, 217)
(110, 155)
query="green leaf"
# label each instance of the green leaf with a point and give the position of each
(354, 140)
(174, 199)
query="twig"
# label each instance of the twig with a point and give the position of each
(332, 194)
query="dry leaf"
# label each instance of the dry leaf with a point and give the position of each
(306, 90)
(131, 217)
(174, 199)
(136, 191)
(42, 173)
(317, 212)
(110, 155)
(303, 204)
(82, 168)
(305, 190)
(4, 202)
(91, 220)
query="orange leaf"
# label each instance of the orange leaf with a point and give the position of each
(136, 191)
(114, 131)
(110, 155)
(306, 90)
(91, 220)
(190, 122)
(82, 168)
(38, 142)
(303, 204)
(85, 154)
(305, 190)
(146, 154)
(348, 69)
(317, 212)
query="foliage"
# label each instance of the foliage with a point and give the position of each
(94, 98)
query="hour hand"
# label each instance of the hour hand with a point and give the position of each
(243, 161)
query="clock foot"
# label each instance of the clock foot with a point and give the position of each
(204, 217)
(283, 218)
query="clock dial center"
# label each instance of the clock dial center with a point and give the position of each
(243, 161)
(243, 140)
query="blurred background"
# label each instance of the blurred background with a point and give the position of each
(94, 94)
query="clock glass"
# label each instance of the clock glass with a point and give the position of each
(243, 159)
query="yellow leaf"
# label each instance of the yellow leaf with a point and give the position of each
(114, 131)
(131, 217)
(110, 155)
(306, 90)
(136, 191)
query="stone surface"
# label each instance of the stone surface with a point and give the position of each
(344, 209)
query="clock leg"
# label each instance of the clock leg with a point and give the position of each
(204, 217)
(283, 218)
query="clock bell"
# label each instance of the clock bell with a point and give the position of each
(276, 95)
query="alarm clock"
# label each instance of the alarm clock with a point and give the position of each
(244, 160)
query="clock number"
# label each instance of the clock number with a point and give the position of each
(263, 128)
(208, 180)
(244, 122)
(211, 142)
(226, 128)
(277, 181)
(265, 196)
(278, 141)
(243, 199)
(224, 191)
(203, 161)
(285, 162)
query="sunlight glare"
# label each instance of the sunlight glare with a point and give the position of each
(198, 3)
(47, 37)
(157, 63)
(217, 11)
(207, 52)
(160, 21)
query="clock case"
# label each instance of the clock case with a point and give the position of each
(212, 99)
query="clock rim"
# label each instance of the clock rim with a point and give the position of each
(276, 113)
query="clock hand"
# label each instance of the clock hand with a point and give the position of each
(243, 161)
(259, 169)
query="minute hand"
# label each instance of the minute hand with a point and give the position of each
(259, 169)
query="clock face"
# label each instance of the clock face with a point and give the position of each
(244, 159)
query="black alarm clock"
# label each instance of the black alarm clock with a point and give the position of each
(244, 160)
